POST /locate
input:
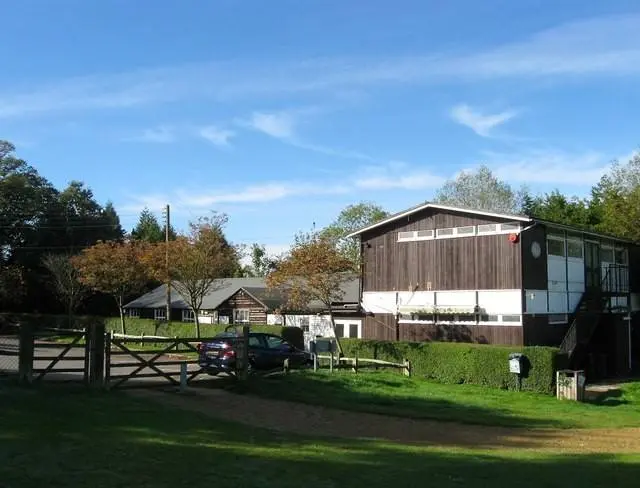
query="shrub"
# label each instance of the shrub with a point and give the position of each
(465, 363)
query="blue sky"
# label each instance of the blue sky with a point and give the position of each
(281, 113)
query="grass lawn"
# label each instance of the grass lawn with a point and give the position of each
(61, 437)
(392, 394)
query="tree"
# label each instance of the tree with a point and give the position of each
(66, 280)
(114, 268)
(616, 199)
(148, 229)
(197, 262)
(556, 207)
(261, 262)
(315, 269)
(481, 190)
(11, 284)
(349, 220)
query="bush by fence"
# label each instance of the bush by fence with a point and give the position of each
(465, 363)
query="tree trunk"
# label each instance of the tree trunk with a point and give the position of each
(70, 312)
(196, 312)
(333, 326)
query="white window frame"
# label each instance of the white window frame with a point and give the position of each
(133, 313)
(304, 323)
(243, 311)
(458, 232)
(188, 315)
(566, 249)
(446, 236)
(554, 318)
(160, 314)
(564, 246)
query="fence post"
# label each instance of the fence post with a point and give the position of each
(407, 367)
(355, 364)
(26, 347)
(97, 361)
(183, 376)
(88, 339)
(107, 360)
(285, 366)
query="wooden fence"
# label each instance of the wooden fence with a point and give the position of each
(355, 364)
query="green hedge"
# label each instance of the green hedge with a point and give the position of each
(465, 363)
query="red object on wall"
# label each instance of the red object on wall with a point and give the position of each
(513, 238)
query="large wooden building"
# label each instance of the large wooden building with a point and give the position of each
(435, 272)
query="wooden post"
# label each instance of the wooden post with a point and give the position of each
(331, 362)
(97, 359)
(25, 359)
(355, 364)
(88, 339)
(285, 366)
(407, 367)
(183, 376)
(107, 360)
(242, 357)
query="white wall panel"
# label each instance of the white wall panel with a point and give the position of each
(574, 299)
(556, 269)
(500, 301)
(415, 299)
(379, 302)
(557, 302)
(456, 298)
(575, 270)
(535, 301)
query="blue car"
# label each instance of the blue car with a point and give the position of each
(266, 352)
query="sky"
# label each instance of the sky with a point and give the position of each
(280, 113)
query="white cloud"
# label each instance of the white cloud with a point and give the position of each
(215, 135)
(600, 46)
(162, 135)
(480, 123)
(550, 167)
(397, 175)
(279, 125)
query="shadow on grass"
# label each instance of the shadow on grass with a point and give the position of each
(383, 394)
(55, 438)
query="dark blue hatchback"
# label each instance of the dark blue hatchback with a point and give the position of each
(266, 352)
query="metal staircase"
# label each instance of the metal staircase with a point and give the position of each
(587, 316)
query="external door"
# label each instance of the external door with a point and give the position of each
(592, 265)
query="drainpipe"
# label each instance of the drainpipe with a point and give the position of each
(397, 317)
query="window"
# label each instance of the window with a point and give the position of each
(187, 316)
(405, 236)
(555, 247)
(254, 341)
(469, 230)
(425, 234)
(515, 319)
(274, 342)
(339, 330)
(241, 315)
(160, 314)
(467, 317)
(606, 255)
(487, 228)
(488, 318)
(353, 331)
(509, 227)
(304, 324)
(446, 317)
(621, 256)
(561, 318)
(574, 249)
(134, 312)
(444, 232)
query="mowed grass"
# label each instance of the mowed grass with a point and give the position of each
(396, 395)
(61, 437)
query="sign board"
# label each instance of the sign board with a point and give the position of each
(514, 365)
(324, 345)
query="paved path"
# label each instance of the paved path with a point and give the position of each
(321, 421)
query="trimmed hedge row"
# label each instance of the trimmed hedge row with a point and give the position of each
(457, 363)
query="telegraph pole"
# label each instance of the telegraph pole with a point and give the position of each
(166, 241)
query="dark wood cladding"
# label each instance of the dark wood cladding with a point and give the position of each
(382, 327)
(634, 269)
(463, 263)
(539, 332)
(241, 299)
(534, 270)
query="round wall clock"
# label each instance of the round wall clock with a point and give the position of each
(536, 250)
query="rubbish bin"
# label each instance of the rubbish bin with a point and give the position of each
(570, 384)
